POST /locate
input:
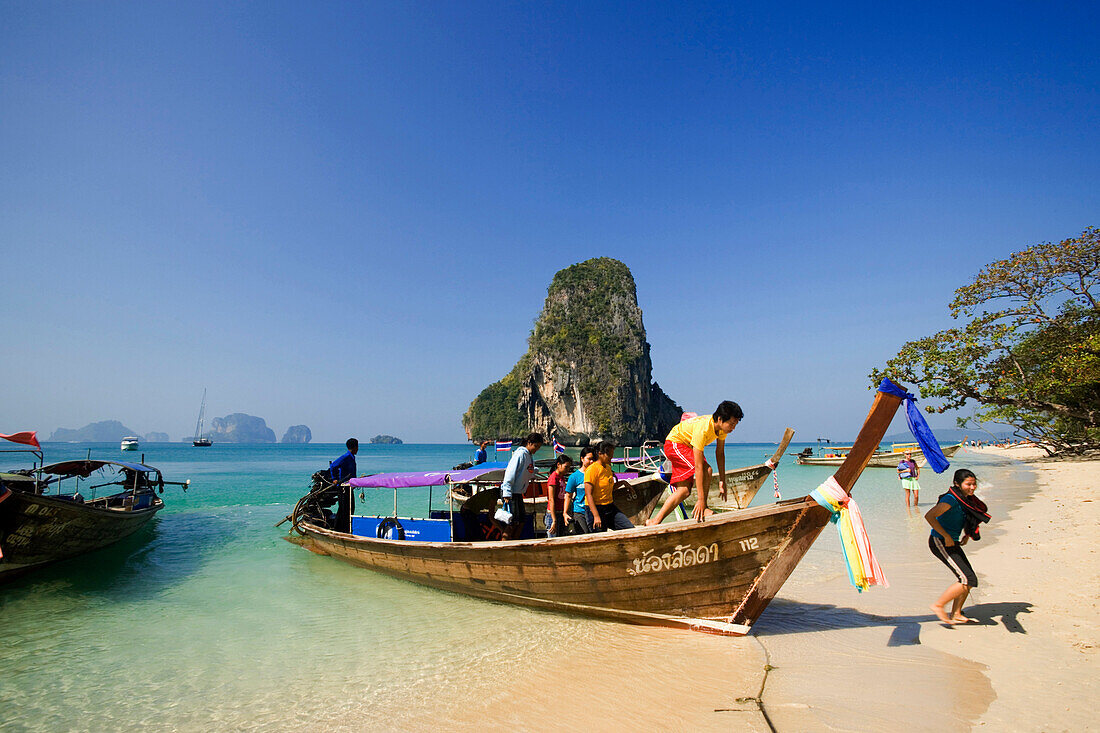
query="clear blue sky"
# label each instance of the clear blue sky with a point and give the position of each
(347, 214)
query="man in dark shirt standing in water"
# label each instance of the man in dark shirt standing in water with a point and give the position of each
(340, 470)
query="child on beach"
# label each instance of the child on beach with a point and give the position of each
(684, 449)
(576, 509)
(957, 510)
(556, 497)
(909, 472)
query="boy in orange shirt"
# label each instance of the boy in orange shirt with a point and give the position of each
(599, 484)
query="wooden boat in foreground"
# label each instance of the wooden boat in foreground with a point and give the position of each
(880, 459)
(38, 528)
(716, 576)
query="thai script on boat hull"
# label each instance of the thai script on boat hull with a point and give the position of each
(680, 557)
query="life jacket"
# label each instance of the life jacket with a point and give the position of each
(974, 510)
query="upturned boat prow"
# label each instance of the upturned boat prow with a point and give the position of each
(809, 526)
(715, 576)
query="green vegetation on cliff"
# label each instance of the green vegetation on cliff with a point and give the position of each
(581, 299)
(495, 412)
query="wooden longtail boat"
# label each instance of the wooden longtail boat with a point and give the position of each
(37, 528)
(716, 576)
(880, 459)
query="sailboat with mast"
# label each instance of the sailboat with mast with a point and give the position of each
(200, 440)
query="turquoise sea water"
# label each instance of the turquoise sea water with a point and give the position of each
(207, 619)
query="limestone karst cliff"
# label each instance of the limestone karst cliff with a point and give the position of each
(300, 434)
(587, 373)
(240, 428)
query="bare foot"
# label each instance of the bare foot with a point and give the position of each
(958, 618)
(938, 610)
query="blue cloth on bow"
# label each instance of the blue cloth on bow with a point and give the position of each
(928, 443)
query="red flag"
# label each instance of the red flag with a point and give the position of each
(27, 437)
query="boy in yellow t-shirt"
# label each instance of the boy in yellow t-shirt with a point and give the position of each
(684, 449)
(599, 486)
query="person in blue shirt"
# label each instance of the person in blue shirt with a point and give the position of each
(576, 512)
(340, 470)
(480, 455)
(948, 518)
(518, 475)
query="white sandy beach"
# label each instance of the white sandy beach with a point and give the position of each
(1031, 663)
(1044, 571)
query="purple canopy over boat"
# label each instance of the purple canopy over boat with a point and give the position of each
(414, 479)
(428, 478)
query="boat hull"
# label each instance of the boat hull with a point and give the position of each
(37, 530)
(701, 575)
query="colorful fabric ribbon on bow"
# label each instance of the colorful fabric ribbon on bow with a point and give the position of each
(863, 568)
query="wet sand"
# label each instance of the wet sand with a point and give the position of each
(877, 660)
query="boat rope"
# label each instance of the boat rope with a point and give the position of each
(775, 475)
(759, 699)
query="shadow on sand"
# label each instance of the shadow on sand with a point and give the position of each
(793, 617)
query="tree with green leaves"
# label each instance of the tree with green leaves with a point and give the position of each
(1029, 351)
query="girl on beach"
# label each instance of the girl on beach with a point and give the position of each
(957, 510)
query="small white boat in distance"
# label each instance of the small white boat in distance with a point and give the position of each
(131, 442)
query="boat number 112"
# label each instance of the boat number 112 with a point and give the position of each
(750, 544)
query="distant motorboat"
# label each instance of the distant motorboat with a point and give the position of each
(131, 442)
(200, 440)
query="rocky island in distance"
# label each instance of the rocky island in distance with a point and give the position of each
(299, 434)
(587, 373)
(107, 431)
(387, 439)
